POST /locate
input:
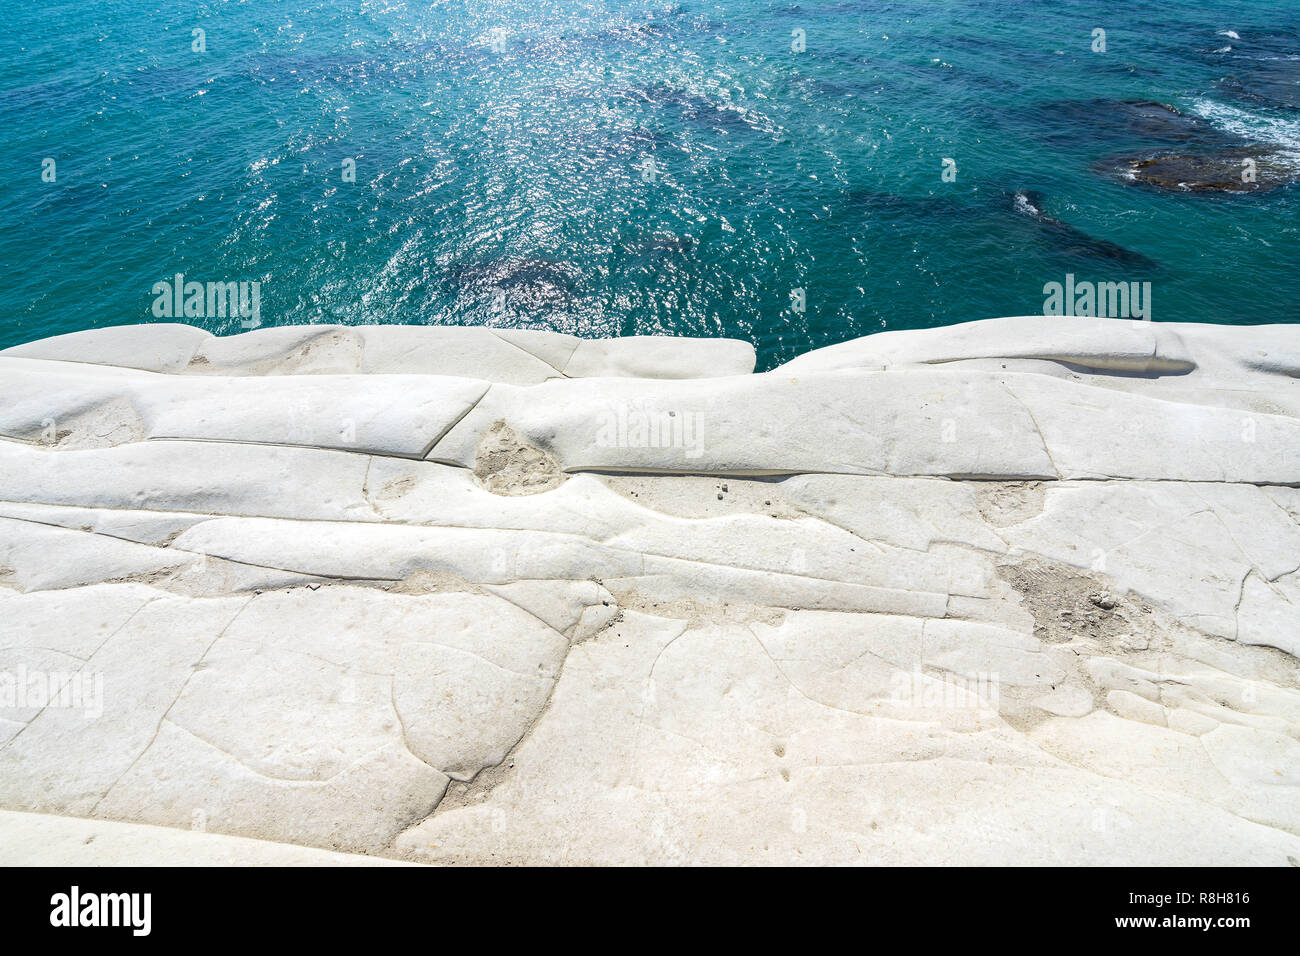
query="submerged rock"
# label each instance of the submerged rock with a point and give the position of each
(1072, 240)
(1261, 68)
(661, 244)
(1244, 169)
(1214, 159)
(526, 282)
(1144, 121)
(1278, 85)
(694, 109)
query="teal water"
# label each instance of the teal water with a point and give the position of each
(502, 157)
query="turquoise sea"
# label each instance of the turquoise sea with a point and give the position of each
(641, 167)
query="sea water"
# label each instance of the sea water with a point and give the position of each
(790, 173)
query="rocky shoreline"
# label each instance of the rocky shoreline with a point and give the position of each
(1023, 590)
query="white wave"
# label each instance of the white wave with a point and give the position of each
(1256, 125)
(1025, 207)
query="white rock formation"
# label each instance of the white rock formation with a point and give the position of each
(1018, 591)
(27, 838)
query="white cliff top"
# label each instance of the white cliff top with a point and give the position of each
(1024, 590)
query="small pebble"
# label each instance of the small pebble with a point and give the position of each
(1103, 600)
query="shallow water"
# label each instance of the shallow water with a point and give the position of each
(635, 168)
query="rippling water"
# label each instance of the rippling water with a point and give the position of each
(625, 168)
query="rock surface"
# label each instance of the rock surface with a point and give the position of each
(1220, 171)
(41, 839)
(1019, 591)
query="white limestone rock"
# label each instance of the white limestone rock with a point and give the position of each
(900, 423)
(35, 839)
(287, 350)
(514, 356)
(38, 557)
(162, 347)
(1019, 591)
(393, 415)
(1128, 346)
(656, 356)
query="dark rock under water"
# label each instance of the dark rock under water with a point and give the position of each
(1140, 121)
(1220, 171)
(661, 244)
(1214, 160)
(525, 282)
(1072, 240)
(689, 108)
(1261, 68)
